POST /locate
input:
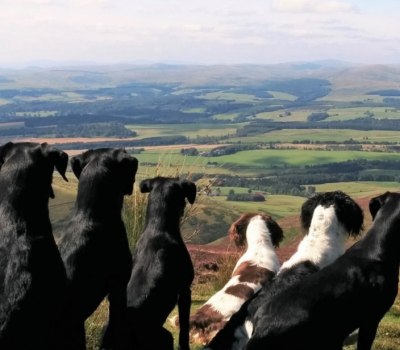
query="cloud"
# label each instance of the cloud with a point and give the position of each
(312, 6)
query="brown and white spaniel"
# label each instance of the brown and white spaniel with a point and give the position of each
(261, 234)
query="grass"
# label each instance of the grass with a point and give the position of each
(259, 161)
(360, 189)
(193, 110)
(297, 158)
(279, 206)
(60, 207)
(240, 98)
(289, 135)
(283, 96)
(297, 116)
(188, 130)
(359, 112)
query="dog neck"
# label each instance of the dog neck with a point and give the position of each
(23, 211)
(325, 241)
(98, 198)
(162, 217)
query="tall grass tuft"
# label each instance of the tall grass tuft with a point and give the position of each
(226, 265)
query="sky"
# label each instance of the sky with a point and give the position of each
(205, 31)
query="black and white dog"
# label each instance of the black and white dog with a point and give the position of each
(330, 218)
(352, 293)
(32, 274)
(94, 247)
(162, 269)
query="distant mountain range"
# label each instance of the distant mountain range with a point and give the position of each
(330, 63)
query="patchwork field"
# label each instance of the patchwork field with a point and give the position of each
(290, 135)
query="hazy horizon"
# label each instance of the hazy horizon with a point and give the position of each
(223, 32)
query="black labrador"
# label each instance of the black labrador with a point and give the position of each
(32, 274)
(162, 269)
(95, 247)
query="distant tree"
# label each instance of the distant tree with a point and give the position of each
(249, 191)
(311, 189)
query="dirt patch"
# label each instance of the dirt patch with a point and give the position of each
(52, 141)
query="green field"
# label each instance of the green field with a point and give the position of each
(360, 189)
(297, 116)
(188, 130)
(359, 112)
(279, 206)
(256, 161)
(283, 96)
(193, 110)
(240, 98)
(297, 157)
(289, 135)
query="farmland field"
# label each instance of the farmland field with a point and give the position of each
(296, 158)
(279, 206)
(188, 130)
(360, 189)
(289, 135)
(283, 96)
(229, 96)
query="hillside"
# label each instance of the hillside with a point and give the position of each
(96, 76)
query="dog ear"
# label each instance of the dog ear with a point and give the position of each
(275, 231)
(129, 169)
(57, 157)
(79, 162)
(190, 190)
(376, 203)
(307, 211)
(146, 186)
(4, 150)
(237, 231)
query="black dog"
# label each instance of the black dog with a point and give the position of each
(32, 275)
(95, 248)
(162, 268)
(352, 293)
(329, 219)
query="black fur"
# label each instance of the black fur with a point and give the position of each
(162, 269)
(32, 275)
(354, 292)
(351, 217)
(95, 248)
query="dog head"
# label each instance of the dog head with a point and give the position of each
(114, 166)
(32, 164)
(376, 203)
(238, 230)
(170, 191)
(348, 212)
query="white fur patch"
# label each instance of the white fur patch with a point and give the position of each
(228, 304)
(260, 250)
(325, 241)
